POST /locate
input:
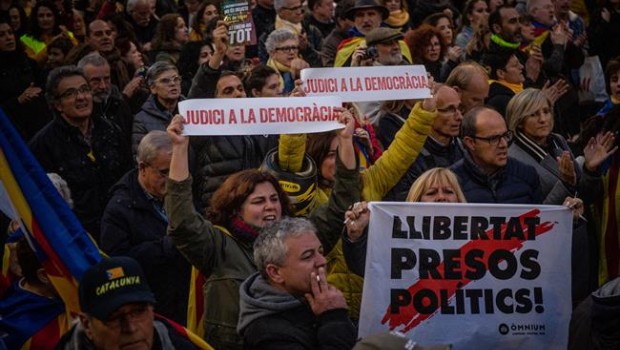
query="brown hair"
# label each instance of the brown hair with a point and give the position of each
(419, 39)
(317, 146)
(227, 200)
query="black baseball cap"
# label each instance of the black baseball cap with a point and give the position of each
(108, 285)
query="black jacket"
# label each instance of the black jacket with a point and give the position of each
(432, 155)
(117, 111)
(273, 319)
(595, 323)
(218, 157)
(499, 96)
(17, 73)
(89, 171)
(132, 226)
(165, 337)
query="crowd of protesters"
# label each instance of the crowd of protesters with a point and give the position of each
(524, 109)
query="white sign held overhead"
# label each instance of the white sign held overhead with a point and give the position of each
(362, 84)
(260, 116)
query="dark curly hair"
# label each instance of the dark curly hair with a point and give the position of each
(227, 200)
(35, 30)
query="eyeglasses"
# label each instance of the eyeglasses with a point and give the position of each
(495, 139)
(138, 313)
(73, 93)
(294, 9)
(167, 81)
(449, 110)
(288, 48)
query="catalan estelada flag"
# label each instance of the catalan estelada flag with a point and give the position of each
(65, 248)
(62, 245)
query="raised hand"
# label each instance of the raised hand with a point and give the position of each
(566, 166)
(175, 132)
(555, 91)
(356, 220)
(598, 149)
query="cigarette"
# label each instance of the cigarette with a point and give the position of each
(318, 278)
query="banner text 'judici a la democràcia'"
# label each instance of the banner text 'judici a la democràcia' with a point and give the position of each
(260, 116)
(478, 276)
(363, 84)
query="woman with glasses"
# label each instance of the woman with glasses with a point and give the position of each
(283, 48)
(428, 48)
(530, 117)
(164, 82)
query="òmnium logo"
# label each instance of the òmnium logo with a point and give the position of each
(522, 329)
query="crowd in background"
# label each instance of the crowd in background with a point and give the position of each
(525, 109)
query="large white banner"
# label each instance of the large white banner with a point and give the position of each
(362, 84)
(260, 116)
(478, 276)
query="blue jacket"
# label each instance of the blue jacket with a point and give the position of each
(516, 183)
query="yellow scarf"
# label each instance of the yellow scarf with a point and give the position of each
(398, 19)
(614, 100)
(282, 23)
(280, 68)
(516, 88)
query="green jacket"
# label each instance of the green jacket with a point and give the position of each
(226, 262)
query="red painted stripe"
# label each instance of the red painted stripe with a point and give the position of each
(411, 318)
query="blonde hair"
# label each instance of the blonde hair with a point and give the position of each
(523, 104)
(433, 176)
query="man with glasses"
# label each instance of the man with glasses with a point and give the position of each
(164, 81)
(87, 151)
(117, 312)
(442, 147)
(108, 102)
(486, 173)
(290, 15)
(134, 224)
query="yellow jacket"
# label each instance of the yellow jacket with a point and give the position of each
(377, 180)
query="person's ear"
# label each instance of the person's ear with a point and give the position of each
(255, 93)
(152, 89)
(273, 272)
(501, 74)
(87, 325)
(496, 28)
(469, 143)
(141, 166)
(57, 106)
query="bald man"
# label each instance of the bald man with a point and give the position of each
(442, 147)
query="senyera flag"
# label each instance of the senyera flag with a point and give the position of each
(62, 244)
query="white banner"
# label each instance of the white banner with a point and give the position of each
(361, 84)
(260, 116)
(478, 276)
